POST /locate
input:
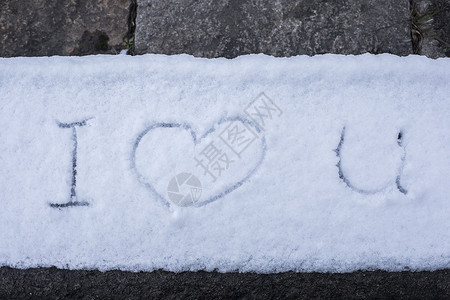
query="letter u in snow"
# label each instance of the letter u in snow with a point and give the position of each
(364, 168)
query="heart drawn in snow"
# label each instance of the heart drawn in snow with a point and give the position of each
(222, 159)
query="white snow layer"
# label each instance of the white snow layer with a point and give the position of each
(350, 169)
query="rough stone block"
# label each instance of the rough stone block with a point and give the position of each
(228, 28)
(63, 27)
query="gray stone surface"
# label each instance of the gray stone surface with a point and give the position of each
(432, 27)
(52, 283)
(228, 28)
(62, 27)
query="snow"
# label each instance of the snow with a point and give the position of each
(350, 172)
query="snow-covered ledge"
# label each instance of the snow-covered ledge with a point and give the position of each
(325, 163)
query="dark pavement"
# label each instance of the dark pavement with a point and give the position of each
(52, 283)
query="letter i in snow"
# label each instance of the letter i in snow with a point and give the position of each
(73, 193)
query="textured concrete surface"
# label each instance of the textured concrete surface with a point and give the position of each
(65, 27)
(53, 283)
(431, 27)
(228, 28)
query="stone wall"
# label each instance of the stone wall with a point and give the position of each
(215, 28)
(62, 27)
(225, 28)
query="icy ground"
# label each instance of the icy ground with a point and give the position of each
(325, 163)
